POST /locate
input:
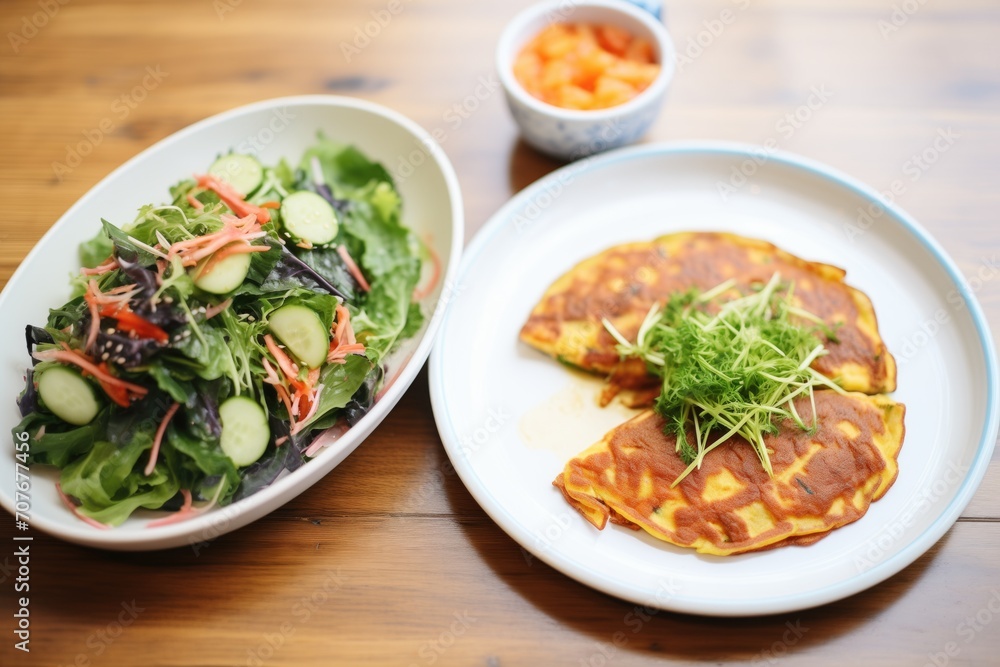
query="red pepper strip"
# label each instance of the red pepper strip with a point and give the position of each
(129, 322)
(116, 393)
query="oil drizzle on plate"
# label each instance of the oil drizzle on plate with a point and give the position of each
(571, 420)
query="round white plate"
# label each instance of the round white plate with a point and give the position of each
(273, 129)
(511, 417)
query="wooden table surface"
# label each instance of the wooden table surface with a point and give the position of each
(410, 570)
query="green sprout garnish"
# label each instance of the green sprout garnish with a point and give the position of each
(730, 367)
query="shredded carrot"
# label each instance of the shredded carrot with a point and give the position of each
(228, 251)
(271, 204)
(344, 343)
(302, 399)
(339, 355)
(191, 251)
(188, 511)
(287, 400)
(77, 513)
(159, 438)
(306, 393)
(161, 268)
(194, 202)
(95, 315)
(421, 292)
(353, 269)
(314, 405)
(212, 311)
(327, 438)
(233, 199)
(279, 387)
(272, 377)
(76, 358)
(344, 333)
(280, 441)
(185, 512)
(285, 362)
(110, 264)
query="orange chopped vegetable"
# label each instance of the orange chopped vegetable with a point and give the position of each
(586, 66)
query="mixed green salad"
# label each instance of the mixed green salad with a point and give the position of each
(211, 340)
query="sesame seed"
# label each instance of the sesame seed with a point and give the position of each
(109, 330)
(104, 357)
(119, 348)
(120, 360)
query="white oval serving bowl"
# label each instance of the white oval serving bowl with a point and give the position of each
(272, 129)
(569, 134)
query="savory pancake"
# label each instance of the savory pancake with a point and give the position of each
(821, 481)
(623, 282)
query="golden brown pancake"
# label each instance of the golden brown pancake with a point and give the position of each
(821, 480)
(623, 282)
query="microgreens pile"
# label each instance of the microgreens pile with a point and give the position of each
(730, 367)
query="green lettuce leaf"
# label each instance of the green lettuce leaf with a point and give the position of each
(96, 250)
(345, 167)
(110, 485)
(340, 381)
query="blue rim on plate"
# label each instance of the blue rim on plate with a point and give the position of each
(780, 603)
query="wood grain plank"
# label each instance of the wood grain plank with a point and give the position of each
(377, 591)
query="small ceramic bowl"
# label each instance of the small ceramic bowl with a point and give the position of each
(570, 134)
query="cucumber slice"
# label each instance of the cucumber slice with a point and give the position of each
(245, 432)
(67, 395)
(225, 276)
(302, 332)
(308, 217)
(242, 172)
